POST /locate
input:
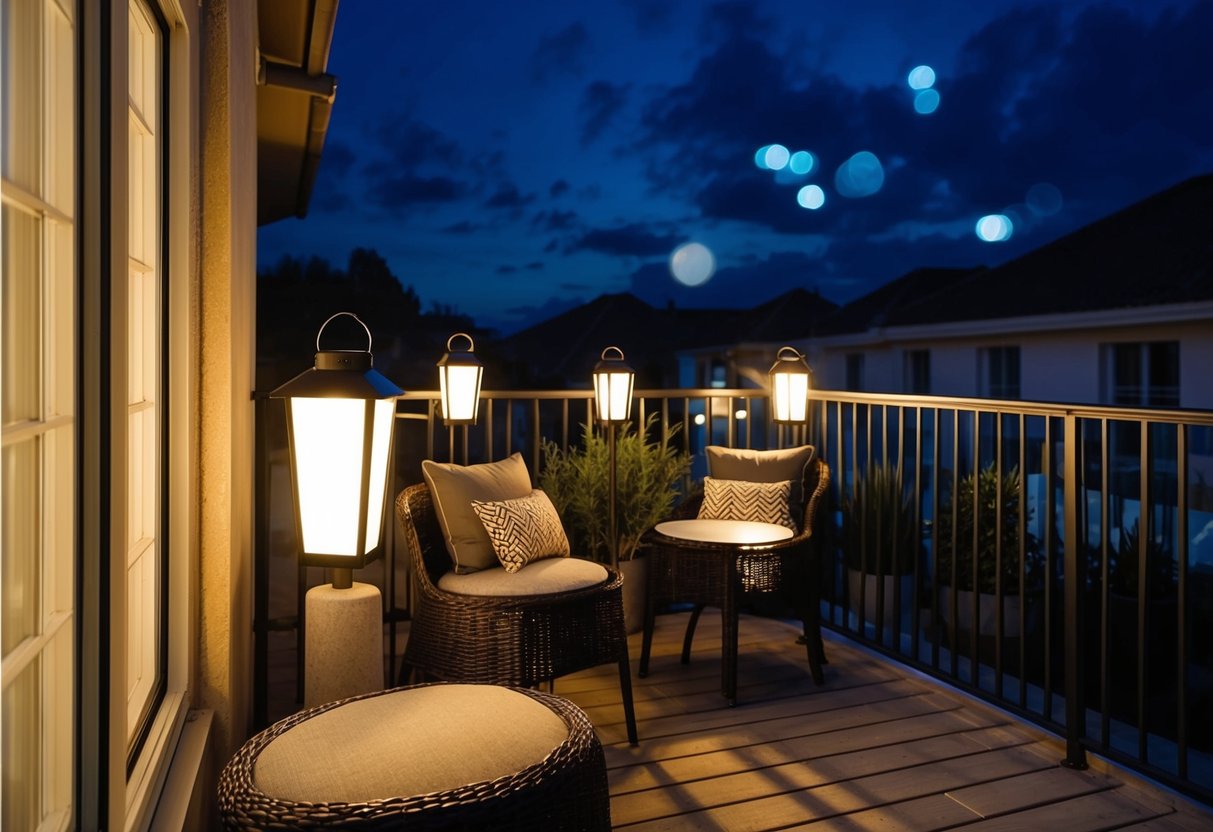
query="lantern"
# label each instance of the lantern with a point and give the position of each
(459, 374)
(613, 380)
(790, 387)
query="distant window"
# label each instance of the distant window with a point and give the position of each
(718, 375)
(918, 372)
(855, 371)
(1141, 374)
(999, 372)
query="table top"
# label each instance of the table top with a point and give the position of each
(741, 532)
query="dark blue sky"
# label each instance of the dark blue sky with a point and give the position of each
(515, 159)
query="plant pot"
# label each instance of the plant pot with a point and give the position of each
(635, 575)
(987, 612)
(891, 583)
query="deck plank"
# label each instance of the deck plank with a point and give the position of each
(874, 747)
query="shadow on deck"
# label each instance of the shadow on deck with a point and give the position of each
(876, 747)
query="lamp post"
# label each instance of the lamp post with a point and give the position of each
(459, 375)
(613, 380)
(340, 416)
(790, 383)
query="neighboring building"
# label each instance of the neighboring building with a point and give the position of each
(1119, 312)
(139, 153)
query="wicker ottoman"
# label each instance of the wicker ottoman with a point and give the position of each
(442, 756)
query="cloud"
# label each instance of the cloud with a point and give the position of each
(558, 189)
(405, 190)
(631, 240)
(508, 196)
(536, 266)
(411, 144)
(507, 269)
(561, 53)
(462, 227)
(555, 220)
(601, 101)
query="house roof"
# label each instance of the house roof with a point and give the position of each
(1155, 252)
(295, 97)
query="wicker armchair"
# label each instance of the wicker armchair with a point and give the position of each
(692, 572)
(508, 640)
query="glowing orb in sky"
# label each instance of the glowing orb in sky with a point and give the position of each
(692, 264)
(921, 78)
(1044, 199)
(926, 102)
(801, 162)
(811, 197)
(859, 176)
(994, 228)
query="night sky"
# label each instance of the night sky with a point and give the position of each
(514, 159)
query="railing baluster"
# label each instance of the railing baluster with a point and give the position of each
(1076, 756)
(1181, 554)
(1047, 466)
(1144, 535)
(1105, 678)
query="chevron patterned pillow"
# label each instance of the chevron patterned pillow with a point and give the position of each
(522, 530)
(763, 502)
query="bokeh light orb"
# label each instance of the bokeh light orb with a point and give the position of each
(921, 78)
(801, 162)
(926, 102)
(811, 197)
(861, 175)
(760, 157)
(994, 228)
(777, 157)
(1044, 199)
(692, 264)
(700, 418)
(739, 414)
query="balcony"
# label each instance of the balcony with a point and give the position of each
(1085, 531)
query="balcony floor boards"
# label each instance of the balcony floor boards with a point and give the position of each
(875, 747)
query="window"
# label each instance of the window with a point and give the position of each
(39, 412)
(918, 372)
(998, 371)
(1141, 374)
(718, 374)
(855, 371)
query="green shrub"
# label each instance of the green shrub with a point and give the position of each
(646, 484)
(878, 520)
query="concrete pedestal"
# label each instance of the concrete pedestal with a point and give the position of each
(344, 643)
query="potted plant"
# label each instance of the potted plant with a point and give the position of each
(879, 532)
(647, 477)
(990, 507)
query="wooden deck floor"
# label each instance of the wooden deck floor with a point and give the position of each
(875, 747)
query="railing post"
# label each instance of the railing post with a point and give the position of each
(1076, 755)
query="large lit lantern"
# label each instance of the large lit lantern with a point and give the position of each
(339, 415)
(459, 374)
(790, 387)
(613, 380)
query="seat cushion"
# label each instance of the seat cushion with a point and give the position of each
(544, 577)
(764, 466)
(761, 502)
(523, 530)
(454, 487)
(408, 742)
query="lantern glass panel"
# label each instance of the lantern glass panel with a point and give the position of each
(328, 472)
(791, 396)
(614, 395)
(460, 391)
(385, 414)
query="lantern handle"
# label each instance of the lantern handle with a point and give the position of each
(608, 349)
(471, 343)
(338, 315)
(795, 352)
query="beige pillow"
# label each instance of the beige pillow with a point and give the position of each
(762, 502)
(523, 530)
(764, 466)
(454, 487)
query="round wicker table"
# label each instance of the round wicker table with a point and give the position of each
(442, 756)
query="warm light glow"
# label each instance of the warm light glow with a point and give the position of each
(741, 414)
(926, 102)
(700, 418)
(790, 394)
(811, 197)
(613, 395)
(692, 264)
(384, 419)
(460, 389)
(328, 461)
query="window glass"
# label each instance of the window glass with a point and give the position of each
(22, 315)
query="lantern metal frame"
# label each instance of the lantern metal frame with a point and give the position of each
(455, 359)
(342, 374)
(789, 361)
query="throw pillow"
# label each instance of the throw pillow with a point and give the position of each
(762, 502)
(454, 487)
(523, 530)
(764, 466)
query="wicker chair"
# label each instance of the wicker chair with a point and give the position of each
(566, 790)
(684, 571)
(508, 640)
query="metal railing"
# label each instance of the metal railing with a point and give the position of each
(1087, 533)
